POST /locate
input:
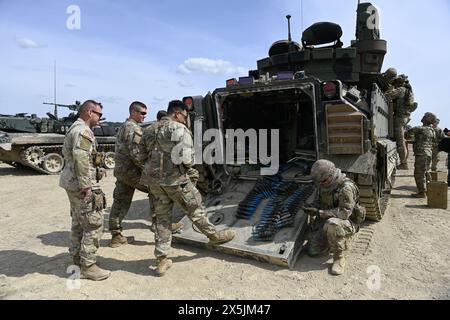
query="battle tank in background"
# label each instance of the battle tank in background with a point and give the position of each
(326, 102)
(37, 142)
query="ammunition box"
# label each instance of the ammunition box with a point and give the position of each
(437, 193)
(438, 176)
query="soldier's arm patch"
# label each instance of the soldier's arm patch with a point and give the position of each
(86, 141)
(137, 136)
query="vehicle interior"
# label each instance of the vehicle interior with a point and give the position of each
(290, 111)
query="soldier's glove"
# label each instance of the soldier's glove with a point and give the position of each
(193, 175)
(99, 200)
(311, 211)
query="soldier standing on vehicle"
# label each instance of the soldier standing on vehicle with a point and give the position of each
(403, 99)
(336, 213)
(389, 75)
(439, 136)
(87, 201)
(424, 138)
(168, 152)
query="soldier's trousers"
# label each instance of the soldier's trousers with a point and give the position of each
(399, 132)
(422, 172)
(123, 196)
(434, 159)
(329, 234)
(189, 199)
(87, 229)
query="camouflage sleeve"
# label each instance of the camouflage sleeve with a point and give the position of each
(133, 140)
(395, 93)
(143, 152)
(82, 159)
(347, 203)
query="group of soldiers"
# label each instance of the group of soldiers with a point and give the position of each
(427, 137)
(144, 162)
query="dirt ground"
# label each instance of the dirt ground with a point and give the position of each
(405, 256)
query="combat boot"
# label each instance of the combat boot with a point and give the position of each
(221, 237)
(419, 195)
(403, 166)
(93, 272)
(338, 266)
(163, 265)
(118, 240)
(175, 227)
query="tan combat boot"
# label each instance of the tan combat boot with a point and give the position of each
(93, 272)
(419, 195)
(175, 227)
(338, 266)
(163, 265)
(118, 240)
(222, 237)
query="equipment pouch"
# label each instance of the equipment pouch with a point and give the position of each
(99, 200)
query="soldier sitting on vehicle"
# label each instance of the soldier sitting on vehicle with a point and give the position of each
(336, 213)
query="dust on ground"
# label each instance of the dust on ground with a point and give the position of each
(405, 256)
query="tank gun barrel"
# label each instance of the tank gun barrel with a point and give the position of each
(73, 107)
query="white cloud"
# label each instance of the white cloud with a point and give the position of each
(209, 66)
(185, 83)
(158, 99)
(27, 43)
(110, 100)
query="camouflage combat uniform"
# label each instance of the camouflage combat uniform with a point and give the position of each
(79, 173)
(439, 135)
(423, 148)
(403, 99)
(168, 182)
(333, 232)
(127, 171)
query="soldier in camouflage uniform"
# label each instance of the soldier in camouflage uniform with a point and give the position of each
(424, 137)
(336, 213)
(389, 75)
(80, 180)
(439, 135)
(402, 97)
(128, 170)
(168, 153)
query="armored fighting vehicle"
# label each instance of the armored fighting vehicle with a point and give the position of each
(326, 103)
(37, 142)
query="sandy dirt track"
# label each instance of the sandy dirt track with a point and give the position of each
(409, 248)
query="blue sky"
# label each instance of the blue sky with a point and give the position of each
(156, 51)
